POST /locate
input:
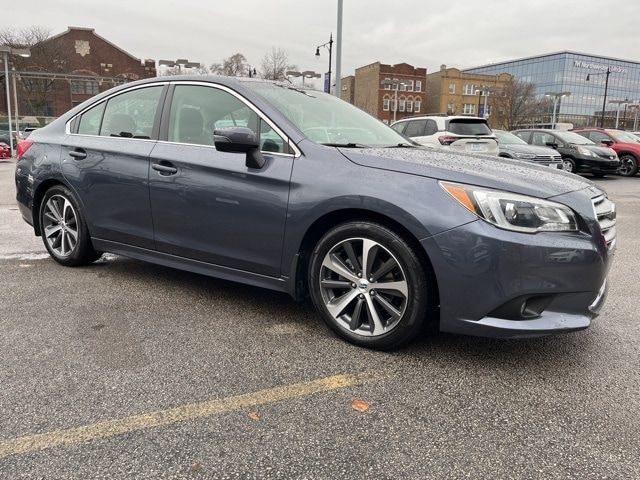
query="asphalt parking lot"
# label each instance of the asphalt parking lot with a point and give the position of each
(129, 370)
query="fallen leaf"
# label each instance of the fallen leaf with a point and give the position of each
(196, 467)
(359, 405)
(253, 416)
(25, 265)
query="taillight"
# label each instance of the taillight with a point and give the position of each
(22, 147)
(447, 140)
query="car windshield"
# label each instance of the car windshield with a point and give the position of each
(624, 136)
(468, 126)
(326, 119)
(573, 138)
(507, 138)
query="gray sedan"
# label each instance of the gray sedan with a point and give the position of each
(512, 146)
(295, 190)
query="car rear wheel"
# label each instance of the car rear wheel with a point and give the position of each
(569, 165)
(64, 230)
(369, 285)
(628, 166)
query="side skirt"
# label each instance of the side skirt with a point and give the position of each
(195, 266)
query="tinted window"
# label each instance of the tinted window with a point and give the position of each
(91, 119)
(542, 138)
(399, 127)
(469, 126)
(131, 114)
(597, 137)
(415, 128)
(523, 135)
(432, 127)
(196, 111)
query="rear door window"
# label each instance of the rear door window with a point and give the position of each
(131, 114)
(432, 127)
(526, 136)
(415, 128)
(469, 126)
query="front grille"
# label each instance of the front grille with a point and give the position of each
(547, 158)
(605, 211)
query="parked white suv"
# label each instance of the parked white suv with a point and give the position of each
(466, 134)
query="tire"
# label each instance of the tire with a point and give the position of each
(60, 216)
(569, 165)
(628, 166)
(399, 313)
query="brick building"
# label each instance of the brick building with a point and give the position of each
(348, 89)
(455, 92)
(67, 69)
(370, 93)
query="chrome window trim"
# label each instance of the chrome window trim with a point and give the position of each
(256, 110)
(297, 153)
(67, 126)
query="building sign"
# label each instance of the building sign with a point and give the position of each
(598, 66)
(82, 47)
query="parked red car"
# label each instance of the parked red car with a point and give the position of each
(5, 150)
(625, 144)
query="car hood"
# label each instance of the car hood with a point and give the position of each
(482, 170)
(602, 151)
(534, 149)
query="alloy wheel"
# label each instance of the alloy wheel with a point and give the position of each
(60, 225)
(363, 287)
(627, 166)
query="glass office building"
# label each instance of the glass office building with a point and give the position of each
(567, 72)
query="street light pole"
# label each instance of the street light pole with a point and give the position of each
(22, 52)
(330, 48)
(338, 89)
(479, 100)
(556, 99)
(606, 88)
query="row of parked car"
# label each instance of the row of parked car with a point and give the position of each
(596, 151)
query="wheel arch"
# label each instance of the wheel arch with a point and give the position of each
(38, 195)
(629, 153)
(331, 219)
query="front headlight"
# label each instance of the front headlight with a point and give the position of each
(511, 211)
(524, 155)
(586, 152)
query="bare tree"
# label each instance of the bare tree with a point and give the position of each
(275, 64)
(201, 70)
(514, 103)
(234, 66)
(46, 57)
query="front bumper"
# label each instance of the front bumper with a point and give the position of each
(488, 278)
(591, 165)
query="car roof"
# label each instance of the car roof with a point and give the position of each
(438, 117)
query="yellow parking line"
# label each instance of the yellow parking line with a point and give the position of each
(109, 428)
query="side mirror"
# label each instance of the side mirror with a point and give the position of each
(552, 145)
(608, 143)
(239, 140)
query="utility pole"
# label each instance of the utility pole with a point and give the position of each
(338, 89)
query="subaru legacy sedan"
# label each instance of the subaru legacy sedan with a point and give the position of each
(295, 190)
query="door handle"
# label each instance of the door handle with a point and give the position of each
(164, 169)
(78, 153)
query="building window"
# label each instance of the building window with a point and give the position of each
(416, 106)
(451, 108)
(393, 105)
(84, 87)
(469, 89)
(402, 104)
(452, 88)
(385, 104)
(387, 83)
(403, 86)
(418, 85)
(410, 85)
(469, 108)
(409, 105)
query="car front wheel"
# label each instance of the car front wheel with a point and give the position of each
(369, 285)
(64, 230)
(569, 165)
(628, 166)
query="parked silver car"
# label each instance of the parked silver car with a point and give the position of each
(512, 146)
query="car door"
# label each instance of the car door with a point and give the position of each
(208, 205)
(105, 158)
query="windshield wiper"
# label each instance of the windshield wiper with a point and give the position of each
(402, 145)
(347, 145)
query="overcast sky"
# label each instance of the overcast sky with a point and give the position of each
(427, 33)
